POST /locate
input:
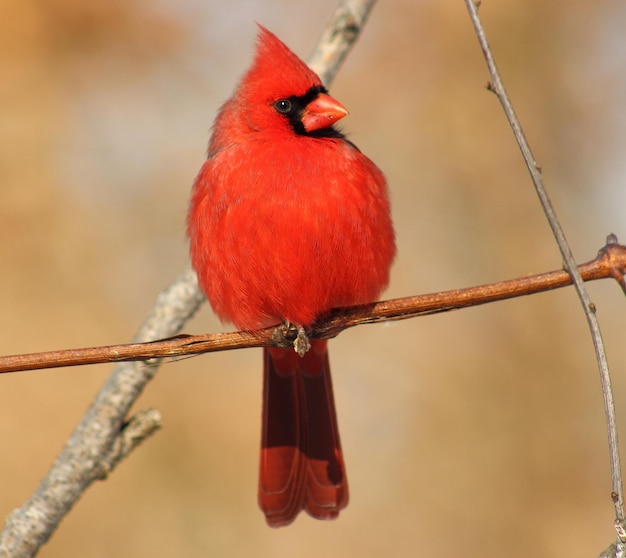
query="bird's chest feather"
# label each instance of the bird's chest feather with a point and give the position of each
(292, 231)
(291, 192)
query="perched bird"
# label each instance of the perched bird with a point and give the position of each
(287, 220)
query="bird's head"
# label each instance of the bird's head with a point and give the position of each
(281, 93)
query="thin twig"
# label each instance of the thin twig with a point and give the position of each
(610, 263)
(91, 449)
(497, 87)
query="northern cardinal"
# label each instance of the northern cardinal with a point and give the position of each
(288, 219)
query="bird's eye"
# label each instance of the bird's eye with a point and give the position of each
(283, 106)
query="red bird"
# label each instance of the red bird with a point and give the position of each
(288, 219)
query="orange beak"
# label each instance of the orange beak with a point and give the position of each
(322, 112)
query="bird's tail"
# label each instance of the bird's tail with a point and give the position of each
(301, 460)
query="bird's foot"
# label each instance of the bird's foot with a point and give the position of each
(301, 345)
(296, 332)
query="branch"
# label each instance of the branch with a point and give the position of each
(497, 87)
(610, 263)
(338, 38)
(102, 439)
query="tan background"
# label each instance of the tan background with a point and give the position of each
(476, 433)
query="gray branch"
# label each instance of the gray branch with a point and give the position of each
(496, 85)
(104, 437)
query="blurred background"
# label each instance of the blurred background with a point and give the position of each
(478, 432)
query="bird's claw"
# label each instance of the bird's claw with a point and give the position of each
(301, 343)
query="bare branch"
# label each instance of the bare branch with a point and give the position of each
(100, 440)
(338, 37)
(610, 263)
(534, 169)
(94, 447)
(133, 433)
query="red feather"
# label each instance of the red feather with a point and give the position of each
(288, 220)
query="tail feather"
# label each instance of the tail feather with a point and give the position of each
(301, 460)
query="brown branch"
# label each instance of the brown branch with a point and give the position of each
(610, 263)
